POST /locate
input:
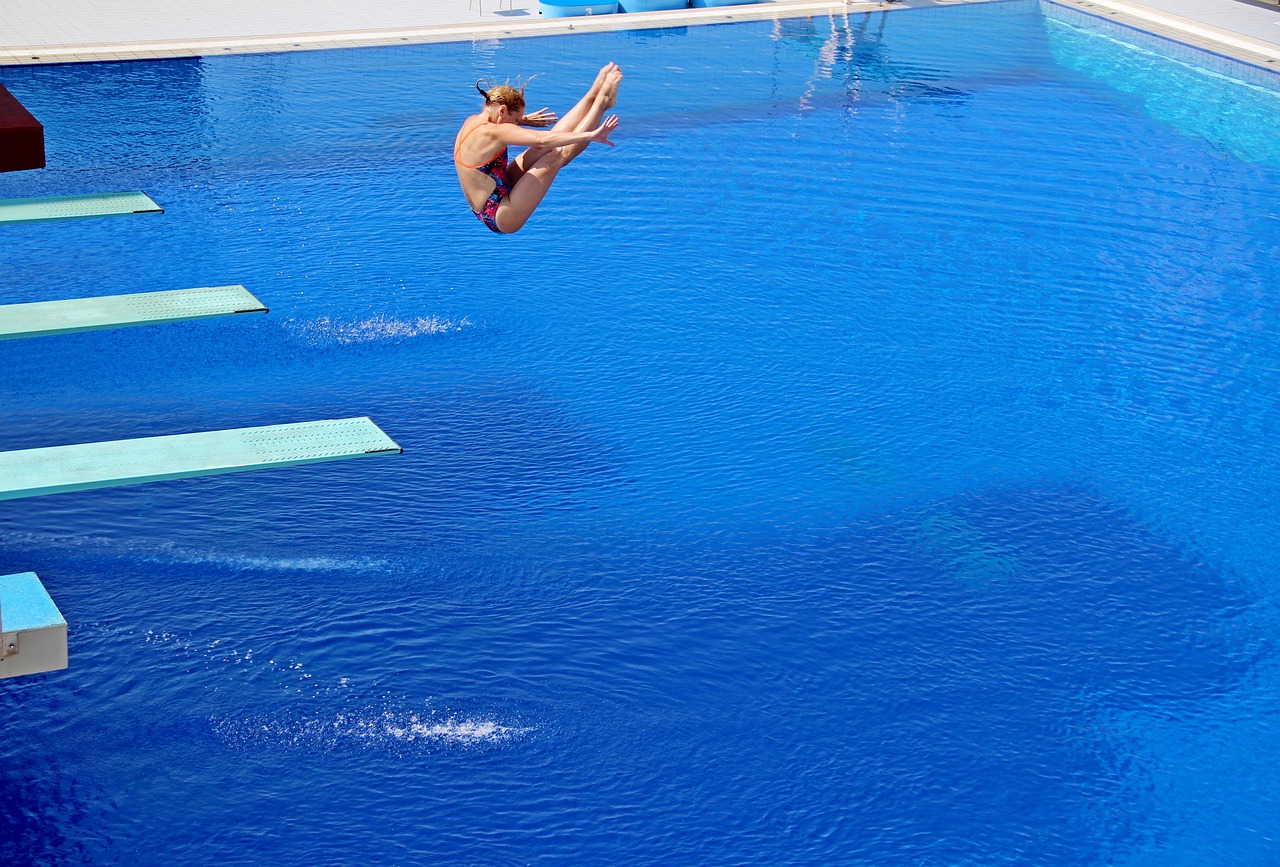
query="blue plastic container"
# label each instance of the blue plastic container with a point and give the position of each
(698, 4)
(572, 8)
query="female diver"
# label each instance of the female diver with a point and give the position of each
(505, 193)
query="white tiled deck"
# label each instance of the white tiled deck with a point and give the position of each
(55, 31)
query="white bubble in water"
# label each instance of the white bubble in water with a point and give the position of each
(375, 328)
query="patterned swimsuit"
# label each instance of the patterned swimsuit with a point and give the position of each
(496, 168)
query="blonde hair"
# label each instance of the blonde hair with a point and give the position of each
(512, 96)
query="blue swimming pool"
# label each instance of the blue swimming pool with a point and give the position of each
(869, 461)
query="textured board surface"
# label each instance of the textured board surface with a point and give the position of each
(76, 207)
(42, 318)
(35, 472)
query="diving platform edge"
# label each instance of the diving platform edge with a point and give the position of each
(35, 210)
(44, 318)
(59, 469)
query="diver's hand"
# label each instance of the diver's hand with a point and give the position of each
(541, 117)
(605, 129)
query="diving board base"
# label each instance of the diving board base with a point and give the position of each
(42, 318)
(21, 136)
(76, 207)
(58, 469)
(33, 633)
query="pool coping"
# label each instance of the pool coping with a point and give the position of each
(1178, 28)
(1197, 34)
(466, 32)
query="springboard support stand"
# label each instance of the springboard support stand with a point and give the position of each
(33, 633)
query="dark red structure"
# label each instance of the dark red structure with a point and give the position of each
(21, 136)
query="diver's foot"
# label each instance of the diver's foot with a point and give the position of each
(600, 78)
(610, 87)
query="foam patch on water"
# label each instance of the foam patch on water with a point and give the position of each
(269, 564)
(458, 731)
(241, 673)
(170, 553)
(370, 728)
(376, 328)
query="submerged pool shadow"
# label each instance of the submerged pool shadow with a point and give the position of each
(951, 673)
(1022, 619)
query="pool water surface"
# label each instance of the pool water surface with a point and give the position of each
(870, 460)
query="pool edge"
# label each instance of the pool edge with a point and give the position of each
(1186, 31)
(1197, 34)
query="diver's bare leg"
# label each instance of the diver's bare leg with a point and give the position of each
(575, 120)
(535, 181)
(570, 122)
(517, 208)
(606, 98)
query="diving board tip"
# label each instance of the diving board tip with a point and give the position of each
(34, 210)
(43, 318)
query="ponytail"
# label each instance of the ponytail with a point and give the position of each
(503, 94)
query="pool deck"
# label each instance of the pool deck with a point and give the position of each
(70, 31)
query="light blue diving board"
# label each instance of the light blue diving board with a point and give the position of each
(33, 633)
(40, 318)
(25, 604)
(76, 207)
(53, 470)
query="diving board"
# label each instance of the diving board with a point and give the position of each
(40, 318)
(53, 470)
(33, 633)
(76, 207)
